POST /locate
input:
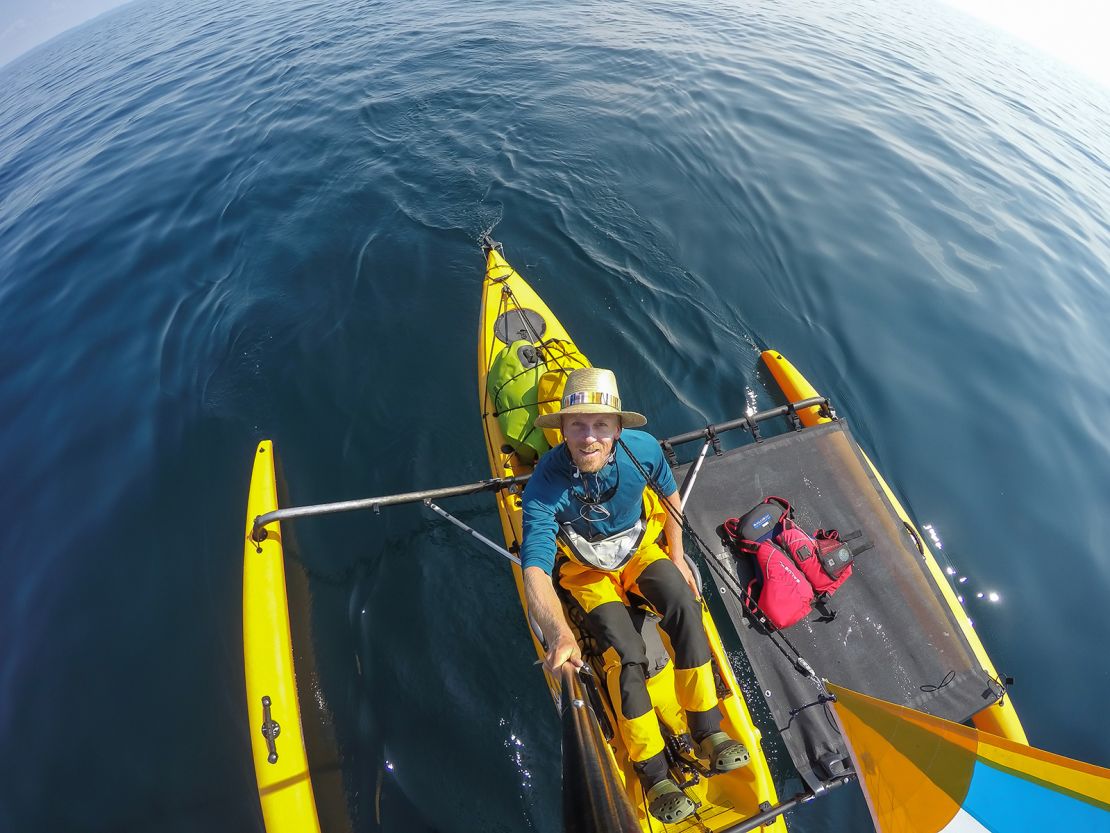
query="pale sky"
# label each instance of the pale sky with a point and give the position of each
(24, 24)
(1075, 31)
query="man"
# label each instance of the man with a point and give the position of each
(589, 494)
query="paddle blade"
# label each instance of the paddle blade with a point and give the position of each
(922, 774)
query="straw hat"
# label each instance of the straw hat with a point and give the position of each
(591, 390)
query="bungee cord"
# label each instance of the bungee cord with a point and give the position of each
(551, 350)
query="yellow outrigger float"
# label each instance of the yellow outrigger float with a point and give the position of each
(295, 756)
(511, 312)
(284, 784)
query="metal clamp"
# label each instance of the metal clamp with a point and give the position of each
(792, 415)
(715, 440)
(668, 452)
(753, 428)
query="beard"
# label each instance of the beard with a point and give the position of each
(592, 463)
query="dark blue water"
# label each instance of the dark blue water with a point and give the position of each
(222, 222)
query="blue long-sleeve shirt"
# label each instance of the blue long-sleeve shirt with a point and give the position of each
(548, 499)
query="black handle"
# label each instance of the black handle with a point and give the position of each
(270, 730)
(915, 536)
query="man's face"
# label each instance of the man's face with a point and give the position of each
(590, 439)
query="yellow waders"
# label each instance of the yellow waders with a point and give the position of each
(603, 596)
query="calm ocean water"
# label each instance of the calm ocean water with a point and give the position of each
(222, 222)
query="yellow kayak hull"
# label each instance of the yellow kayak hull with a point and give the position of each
(284, 786)
(726, 799)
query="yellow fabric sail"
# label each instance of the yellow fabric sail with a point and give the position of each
(922, 774)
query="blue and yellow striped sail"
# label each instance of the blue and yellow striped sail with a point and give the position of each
(922, 774)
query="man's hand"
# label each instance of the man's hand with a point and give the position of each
(687, 574)
(562, 649)
(545, 608)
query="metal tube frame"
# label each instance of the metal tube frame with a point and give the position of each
(376, 503)
(515, 484)
(788, 410)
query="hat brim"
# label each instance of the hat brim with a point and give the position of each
(629, 419)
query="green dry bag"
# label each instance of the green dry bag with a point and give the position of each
(511, 383)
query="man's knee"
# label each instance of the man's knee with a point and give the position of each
(612, 625)
(662, 584)
(664, 587)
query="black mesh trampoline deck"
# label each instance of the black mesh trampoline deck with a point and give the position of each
(894, 635)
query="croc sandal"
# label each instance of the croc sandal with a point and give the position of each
(724, 753)
(668, 803)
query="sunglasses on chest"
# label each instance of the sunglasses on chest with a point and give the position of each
(587, 497)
